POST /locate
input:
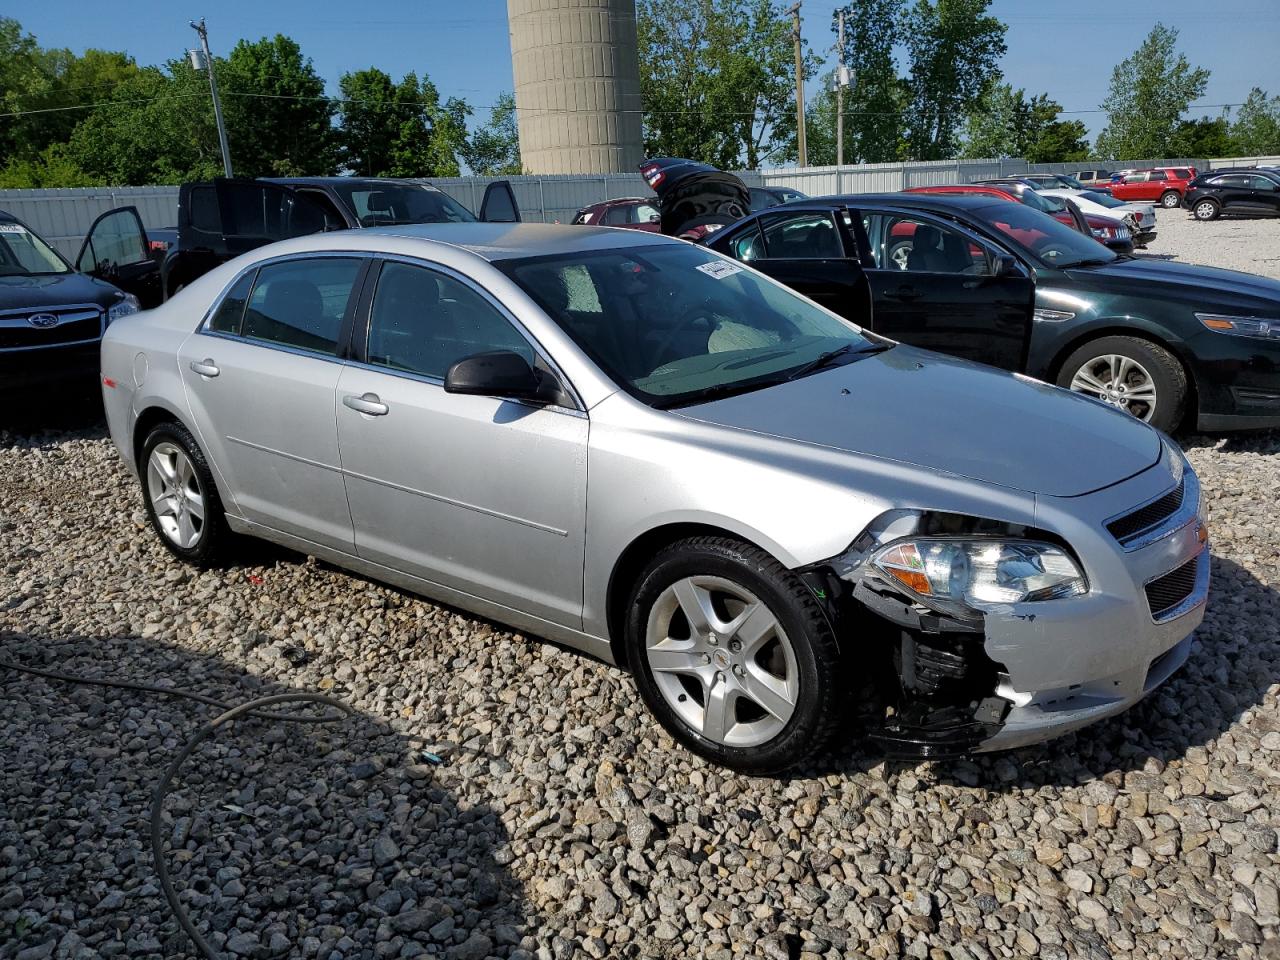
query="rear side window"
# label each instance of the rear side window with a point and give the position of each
(1181, 173)
(301, 303)
(615, 216)
(230, 312)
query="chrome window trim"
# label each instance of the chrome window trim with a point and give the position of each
(493, 301)
(257, 265)
(270, 345)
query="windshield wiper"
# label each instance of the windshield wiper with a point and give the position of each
(827, 358)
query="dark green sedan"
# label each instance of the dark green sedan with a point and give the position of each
(1173, 344)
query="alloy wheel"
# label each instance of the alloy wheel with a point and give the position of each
(176, 495)
(1170, 200)
(1120, 381)
(722, 661)
(900, 254)
(1205, 211)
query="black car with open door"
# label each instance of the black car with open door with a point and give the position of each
(1007, 285)
(52, 316)
(220, 219)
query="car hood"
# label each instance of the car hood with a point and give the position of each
(20, 293)
(1210, 283)
(944, 414)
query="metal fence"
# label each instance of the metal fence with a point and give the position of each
(888, 177)
(64, 216)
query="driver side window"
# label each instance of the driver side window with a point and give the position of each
(424, 321)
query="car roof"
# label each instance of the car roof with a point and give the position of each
(364, 181)
(506, 241)
(928, 201)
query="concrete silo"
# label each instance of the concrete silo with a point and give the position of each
(577, 85)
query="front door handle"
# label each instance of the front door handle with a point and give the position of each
(368, 404)
(205, 367)
(904, 293)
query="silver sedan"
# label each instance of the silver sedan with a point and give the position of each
(788, 528)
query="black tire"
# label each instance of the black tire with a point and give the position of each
(1170, 199)
(214, 535)
(820, 704)
(1206, 210)
(1164, 369)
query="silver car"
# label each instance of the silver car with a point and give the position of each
(788, 529)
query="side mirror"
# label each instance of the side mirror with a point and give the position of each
(1005, 266)
(655, 218)
(500, 373)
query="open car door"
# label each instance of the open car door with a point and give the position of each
(116, 250)
(499, 203)
(220, 219)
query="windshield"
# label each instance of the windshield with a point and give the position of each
(1052, 243)
(23, 254)
(1035, 201)
(383, 204)
(1102, 199)
(674, 324)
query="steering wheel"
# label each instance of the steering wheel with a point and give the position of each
(700, 310)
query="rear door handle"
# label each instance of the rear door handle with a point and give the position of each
(904, 293)
(205, 367)
(368, 404)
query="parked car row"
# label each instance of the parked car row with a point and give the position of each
(911, 532)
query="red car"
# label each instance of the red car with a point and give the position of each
(1165, 185)
(637, 213)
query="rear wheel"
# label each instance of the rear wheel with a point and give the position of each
(734, 657)
(1170, 198)
(1133, 375)
(181, 500)
(1206, 210)
(899, 254)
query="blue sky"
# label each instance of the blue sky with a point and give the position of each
(1064, 48)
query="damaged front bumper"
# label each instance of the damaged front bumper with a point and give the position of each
(1027, 672)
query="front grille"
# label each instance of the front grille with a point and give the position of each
(1165, 593)
(75, 325)
(1132, 525)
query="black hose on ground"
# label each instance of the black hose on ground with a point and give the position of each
(252, 709)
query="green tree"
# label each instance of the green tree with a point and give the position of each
(400, 129)
(954, 48)
(1203, 138)
(1150, 91)
(874, 103)
(1061, 141)
(1256, 131)
(156, 127)
(494, 149)
(279, 121)
(717, 81)
(1006, 124)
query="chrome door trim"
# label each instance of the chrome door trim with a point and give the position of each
(280, 453)
(545, 528)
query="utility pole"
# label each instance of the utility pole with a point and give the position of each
(213, 88)
(795, 32)
(840, 90)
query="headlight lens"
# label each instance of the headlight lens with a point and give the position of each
(122, 309)
(975, 575)
(1241, 326)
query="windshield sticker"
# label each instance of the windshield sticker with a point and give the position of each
(12, 228)
(718, 269)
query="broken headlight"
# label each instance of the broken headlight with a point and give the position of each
(967, 576)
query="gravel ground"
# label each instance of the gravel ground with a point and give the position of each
(1238, 243)
(560, 822)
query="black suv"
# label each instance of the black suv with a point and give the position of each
(1244, 190)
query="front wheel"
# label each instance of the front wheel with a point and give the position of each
(1206, 210)
(1133, 375)
(734, 657)
(1170, 199)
